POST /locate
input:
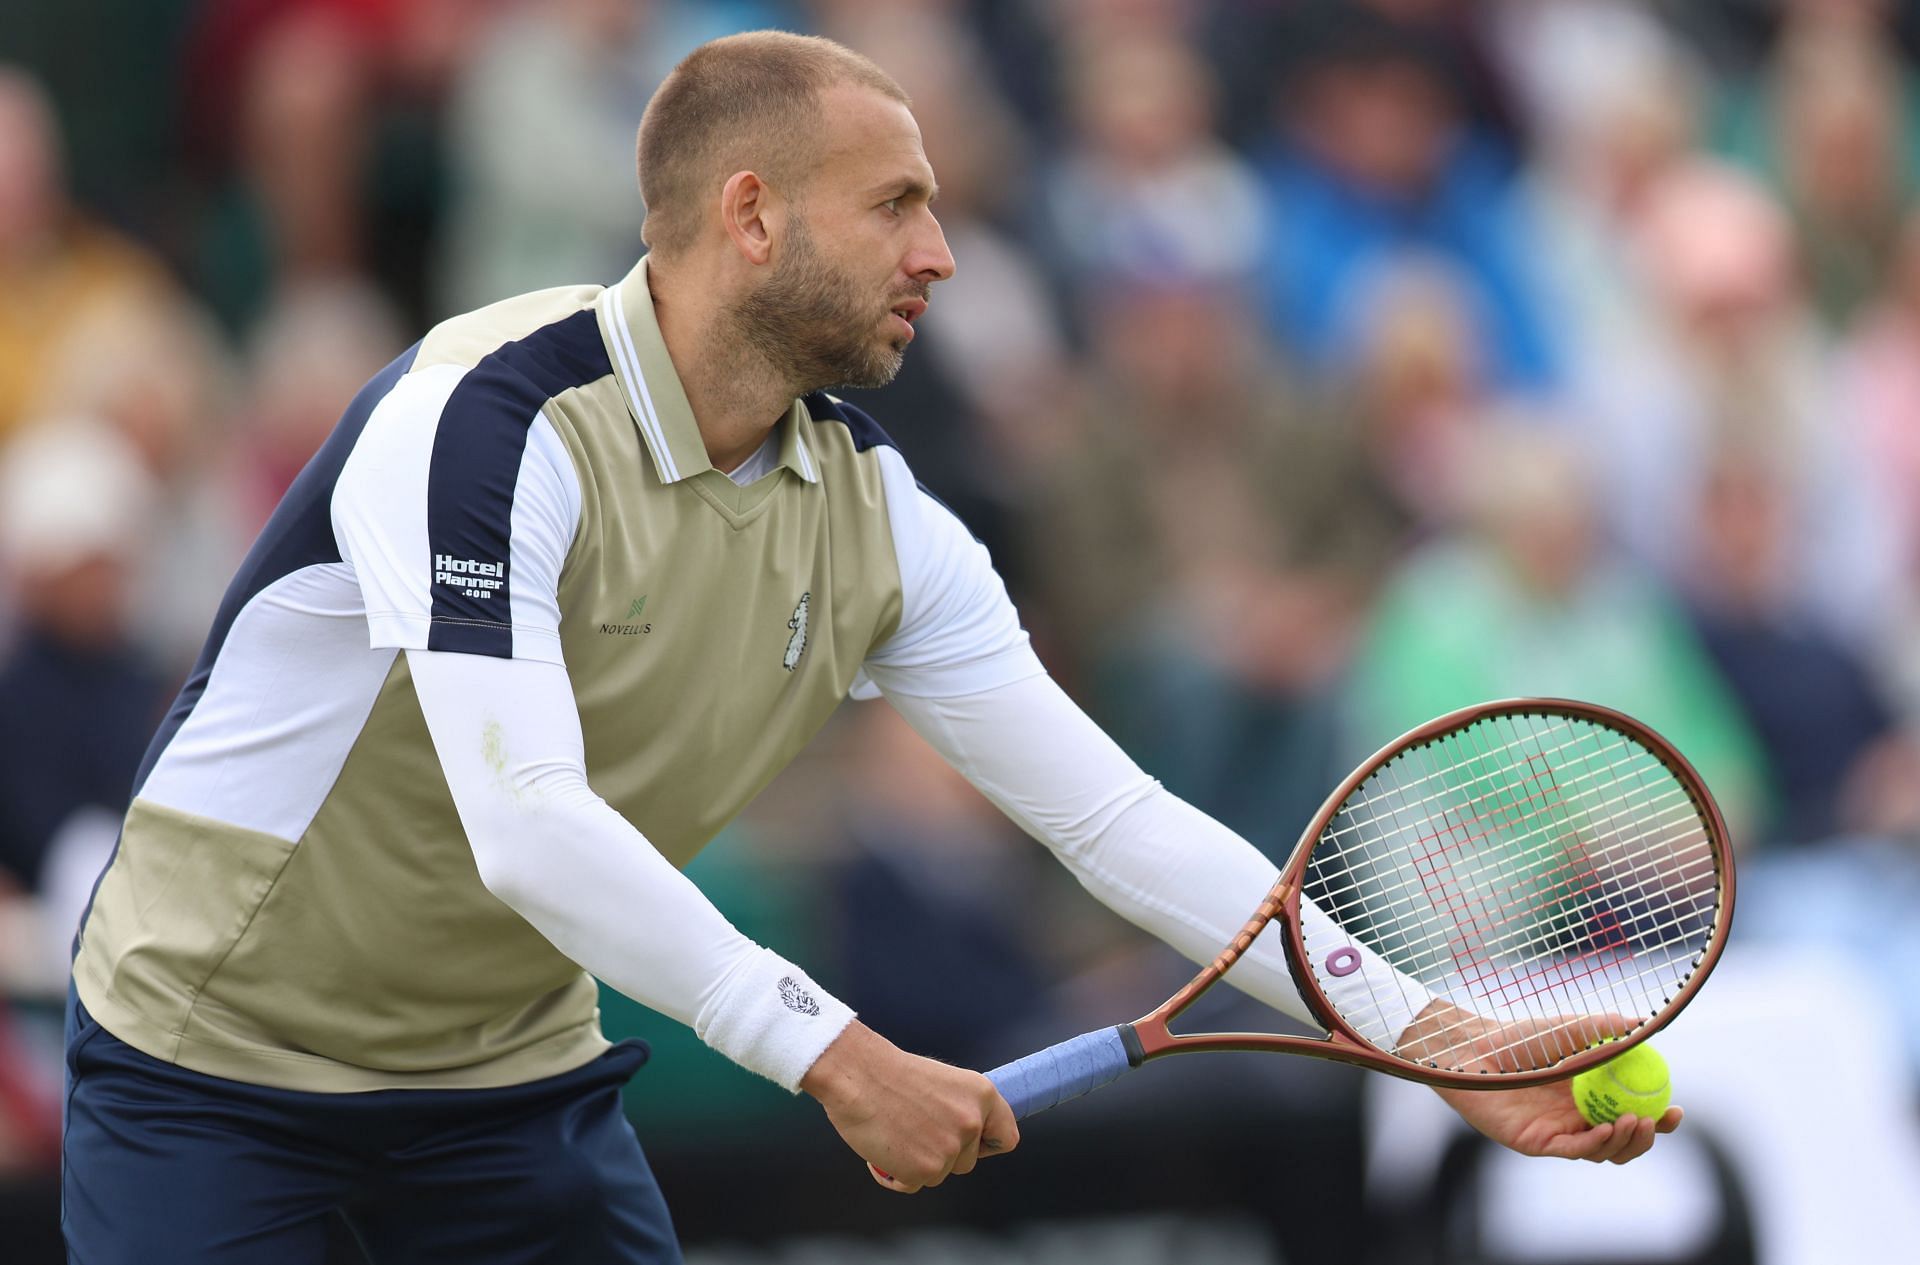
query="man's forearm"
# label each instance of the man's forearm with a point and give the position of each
(1144, 852)
(591, 883)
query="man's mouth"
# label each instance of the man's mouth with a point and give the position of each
(907, 312)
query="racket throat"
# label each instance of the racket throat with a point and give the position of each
(1136, 1049)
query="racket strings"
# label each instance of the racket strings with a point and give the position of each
(1600, 964)
(1527, 869)
(1603, 901)
(1685, 913)
(1648, 863)
(1443, 792)
(1591, 969)
(1632, 866)
(1657, 848)
(1682, 812)
(1470, 921)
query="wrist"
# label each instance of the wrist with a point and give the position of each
(835, 1077)
(1438, 1032)
(770, 1017)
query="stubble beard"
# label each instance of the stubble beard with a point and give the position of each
(814, 325)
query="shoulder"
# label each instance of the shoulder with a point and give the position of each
(463, 418)
(548, 338)
(836, 420)
(860, 465)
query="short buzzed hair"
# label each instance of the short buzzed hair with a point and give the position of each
(745, 102)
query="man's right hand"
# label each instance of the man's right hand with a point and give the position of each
(912, 1119)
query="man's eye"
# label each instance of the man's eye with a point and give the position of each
(892, 205)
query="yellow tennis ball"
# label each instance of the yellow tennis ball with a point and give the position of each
(1635, 1082)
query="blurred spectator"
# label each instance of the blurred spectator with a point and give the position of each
(1530, 600)
(29, 1133)
(1728, 354)
(305, 120)
(1880, 392)
(1578, 67)
(540, 129)
(308, 357)
(1740, 34)
(1371, 159)
(1829, 731)
(1018, 43)
(303, 99)
(1212, 539)
(74, 503)
(82, 702)
(158, 372)
(1419, 385)
(1142, 186)
(1832, 124)
(1244, 36)
(29, 1136)
(1615, 101)
(56, 265)
(1152, 21)
(111, 67)
(1462, 26)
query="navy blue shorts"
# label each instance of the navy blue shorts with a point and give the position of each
(164, 1166)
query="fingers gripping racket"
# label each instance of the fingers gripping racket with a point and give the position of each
(1518, 879)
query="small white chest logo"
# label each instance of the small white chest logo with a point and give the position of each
(797, 643)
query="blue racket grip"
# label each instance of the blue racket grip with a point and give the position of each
(1067, 1070)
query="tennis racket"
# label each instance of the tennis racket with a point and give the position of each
(1474, 907)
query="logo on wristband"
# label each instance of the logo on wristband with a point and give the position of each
(797, 998)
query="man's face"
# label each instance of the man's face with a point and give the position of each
(860, 251)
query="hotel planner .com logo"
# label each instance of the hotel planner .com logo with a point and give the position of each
(470, 576)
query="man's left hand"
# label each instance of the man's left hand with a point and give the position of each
(1542, 1120)
(1537, 1119)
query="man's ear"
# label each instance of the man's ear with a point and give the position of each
(752, 214)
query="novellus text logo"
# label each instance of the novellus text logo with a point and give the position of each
(471, 576)
(633, 627)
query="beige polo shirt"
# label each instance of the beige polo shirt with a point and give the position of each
(293, 902)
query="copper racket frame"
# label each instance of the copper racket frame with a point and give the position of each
(1150, 1036)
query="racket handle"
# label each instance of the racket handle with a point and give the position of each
(1067, 1070)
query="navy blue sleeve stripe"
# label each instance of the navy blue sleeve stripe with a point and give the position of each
(475, 466)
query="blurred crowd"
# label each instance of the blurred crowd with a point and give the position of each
(1312, 367)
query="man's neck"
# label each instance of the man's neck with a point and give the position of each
(736, 394)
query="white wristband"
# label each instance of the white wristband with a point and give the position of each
(770, 1017)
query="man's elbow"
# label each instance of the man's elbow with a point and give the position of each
(505, 868)
(515, 845)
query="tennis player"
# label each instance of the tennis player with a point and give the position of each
(571, 581)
